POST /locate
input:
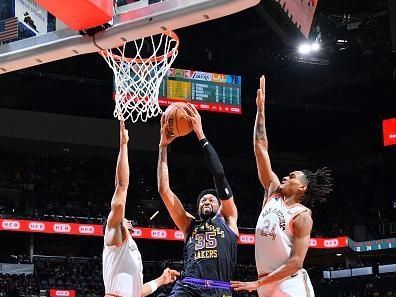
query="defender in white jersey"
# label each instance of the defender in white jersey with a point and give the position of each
(122, 262)
(284, 226)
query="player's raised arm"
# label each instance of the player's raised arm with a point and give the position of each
(228, 208)
(113, 233)
(267, 177)
(175, 208)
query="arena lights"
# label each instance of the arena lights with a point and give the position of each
(154, 215)
(315, 46)
(307, 48)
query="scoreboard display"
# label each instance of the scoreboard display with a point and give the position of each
(207, 91)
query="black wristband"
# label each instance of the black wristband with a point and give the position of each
(203, 142)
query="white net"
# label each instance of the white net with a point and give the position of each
(138, 79)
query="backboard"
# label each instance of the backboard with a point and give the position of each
(43, 38)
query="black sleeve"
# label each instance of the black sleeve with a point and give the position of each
(223, 189)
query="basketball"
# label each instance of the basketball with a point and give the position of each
(178, 123)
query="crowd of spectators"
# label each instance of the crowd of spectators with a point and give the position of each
(18, 285)
(85, 276)
(39, 186)
(363, 286)
(82, 275)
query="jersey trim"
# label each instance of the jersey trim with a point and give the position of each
(262, 275)
(270, 198)
(291, 206)
(305, 281)
(123, 242)
(225, 224)
(118, 245)
(206, 283)
(112, 295)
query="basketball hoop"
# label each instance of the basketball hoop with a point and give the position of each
(138, 79)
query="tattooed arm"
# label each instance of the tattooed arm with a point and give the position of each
(114, 232)
(267, 177)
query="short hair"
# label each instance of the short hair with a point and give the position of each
(205, 192)
(319, 184)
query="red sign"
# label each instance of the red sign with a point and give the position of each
(301, 13)
(389, 131)
(247, 239)
(328, 243)
(13, 225)
(216, 107)
(50, 227)
(62, 293)
(153, 233)
(140, 232)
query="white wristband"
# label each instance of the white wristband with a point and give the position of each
(153, 285)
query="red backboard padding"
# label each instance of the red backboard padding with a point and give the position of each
(300, 12)
(80, 14)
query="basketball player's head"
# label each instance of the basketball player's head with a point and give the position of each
(306, 185)
(208, 204)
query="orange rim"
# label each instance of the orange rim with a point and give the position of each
(171, 34)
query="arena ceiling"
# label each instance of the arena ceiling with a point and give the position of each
(337, 96)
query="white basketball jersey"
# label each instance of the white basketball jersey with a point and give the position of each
(274, 233)
(123, 269)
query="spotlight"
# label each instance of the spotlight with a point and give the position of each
(304, 49)
(154, 215)
(315, 46)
